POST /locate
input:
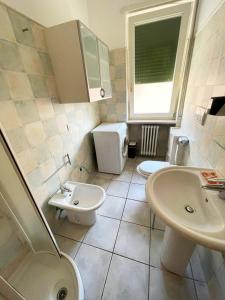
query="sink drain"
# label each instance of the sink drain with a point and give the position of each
(62, 293)
(189, 209)
(75, 202)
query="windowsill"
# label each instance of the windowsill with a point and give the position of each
(169, 122)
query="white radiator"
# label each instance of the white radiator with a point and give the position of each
(149, 139)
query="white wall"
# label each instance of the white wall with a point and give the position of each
(108, 21)
(206, 10)
(51, 12)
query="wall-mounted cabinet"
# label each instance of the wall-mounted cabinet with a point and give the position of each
(80, 61)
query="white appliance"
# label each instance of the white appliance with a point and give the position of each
(111, 142)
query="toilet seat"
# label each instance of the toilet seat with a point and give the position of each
(147, 167)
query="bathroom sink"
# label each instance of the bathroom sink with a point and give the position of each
(197, 214)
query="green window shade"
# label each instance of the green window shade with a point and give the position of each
(155, 50)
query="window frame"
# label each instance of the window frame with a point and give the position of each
(183, 9)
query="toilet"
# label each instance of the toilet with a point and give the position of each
(80, 201)
(146, 168)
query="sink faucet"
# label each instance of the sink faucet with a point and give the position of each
(64, 189)
(218, 186)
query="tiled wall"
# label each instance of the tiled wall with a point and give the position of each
(114, 110)
(39, 128)
(207, 78)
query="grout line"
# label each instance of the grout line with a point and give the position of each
(114, 247)
(124, 221)
(196, 294)
(85, 243)
(140, 262)
(114, 253)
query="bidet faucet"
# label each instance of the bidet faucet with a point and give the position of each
(64, 189)
(218, 186)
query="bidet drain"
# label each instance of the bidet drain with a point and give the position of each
(62, 293)
(189, 209)
(75, 202)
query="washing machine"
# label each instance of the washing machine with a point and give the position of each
(111, 143)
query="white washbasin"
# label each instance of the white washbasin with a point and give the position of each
(170, 189)
(81, 203)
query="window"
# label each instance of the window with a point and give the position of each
(157, 44)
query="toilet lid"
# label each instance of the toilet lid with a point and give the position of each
(147, 167)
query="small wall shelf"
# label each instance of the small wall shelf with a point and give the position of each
(217, 107)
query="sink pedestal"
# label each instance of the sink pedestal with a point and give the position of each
(176, 251)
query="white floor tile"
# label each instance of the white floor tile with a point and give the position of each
(118, 188)
(155, 247)
(112, 207)
(93, 265)
(124, 176)
(137, 192)
(166, 286)
(104, 183)
(130, 164)
(198, 273)
(159, 224)
(133, 242)
(127, 280)
(210, 291)
(137, 178)
(137, 212)
(102, 175)
(103, 233)
(71, 230)
(67, 246)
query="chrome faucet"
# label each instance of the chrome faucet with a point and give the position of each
(64, 189)
(218, 186)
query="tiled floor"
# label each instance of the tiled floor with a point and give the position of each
(119, 256)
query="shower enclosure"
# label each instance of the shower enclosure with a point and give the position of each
(31, 264)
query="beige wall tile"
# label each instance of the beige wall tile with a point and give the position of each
(35, 133)
(6, 30)
(55, 145)
(45, 108)
(31, 60)
(39, 38)
(8, 115)
(40, 195)
(119, 56)
(62, 123)
(19, 85)
(120, 85)
(27, 111)
(36, 127)
(18, 139)
(47, 168)
(218, 90)
(51, 85)
(27, 162)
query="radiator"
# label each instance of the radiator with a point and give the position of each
(149, 139)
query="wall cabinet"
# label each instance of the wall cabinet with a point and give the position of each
(80, 62)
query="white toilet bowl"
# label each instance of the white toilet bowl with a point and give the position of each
(146, 168)
(80, 203)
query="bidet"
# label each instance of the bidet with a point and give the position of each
(80, 201)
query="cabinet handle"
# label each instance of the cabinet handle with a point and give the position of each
(102, 92)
